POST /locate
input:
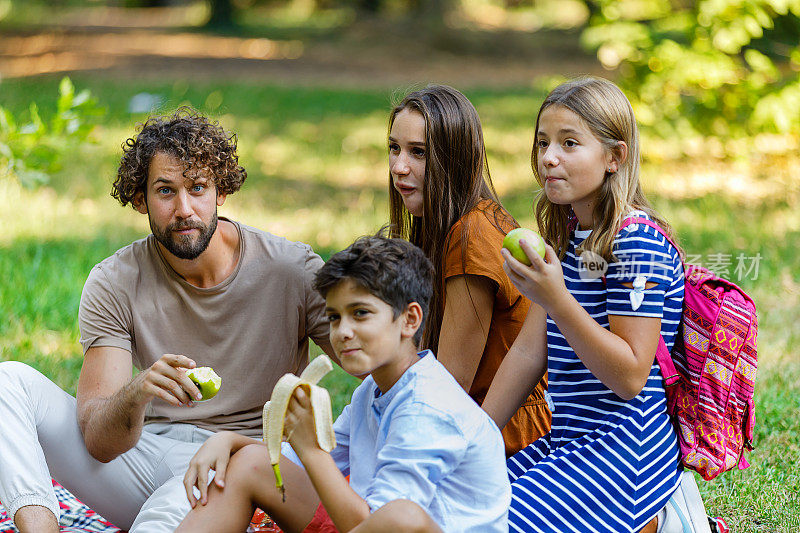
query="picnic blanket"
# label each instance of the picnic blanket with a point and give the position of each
(75, 516)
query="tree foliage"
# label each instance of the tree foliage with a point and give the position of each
(710, 67)
(32, 150)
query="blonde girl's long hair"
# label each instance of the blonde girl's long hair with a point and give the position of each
(456, 180)
(609, 116)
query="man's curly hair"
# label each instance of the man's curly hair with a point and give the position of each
(203, 146)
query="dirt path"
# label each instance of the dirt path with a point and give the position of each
(365, 53)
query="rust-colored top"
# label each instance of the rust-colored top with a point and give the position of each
(481, 257)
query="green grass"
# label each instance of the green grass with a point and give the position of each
(317, 172)
(764, 497)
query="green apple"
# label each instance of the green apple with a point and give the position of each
(511, 243)
(206, 380)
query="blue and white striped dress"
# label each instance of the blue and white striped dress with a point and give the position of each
(607, 464)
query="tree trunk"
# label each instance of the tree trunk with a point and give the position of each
(221, 15)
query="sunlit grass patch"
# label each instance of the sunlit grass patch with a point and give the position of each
(44, 214)
(764, 497)
(56, 354)
(39, 296)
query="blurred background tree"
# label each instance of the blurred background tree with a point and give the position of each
(221, 16)
(725, 68)
(32, 147)
(710, 67)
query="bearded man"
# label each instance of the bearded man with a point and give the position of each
(199, 291)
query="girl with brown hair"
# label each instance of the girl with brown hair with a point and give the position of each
(442, 200)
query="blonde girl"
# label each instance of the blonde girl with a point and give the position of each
(442, 200)
(610, 462)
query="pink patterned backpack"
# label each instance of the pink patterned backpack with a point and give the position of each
(710, 374)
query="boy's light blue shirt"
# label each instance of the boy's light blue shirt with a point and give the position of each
(427, 441)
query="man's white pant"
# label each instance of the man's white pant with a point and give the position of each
(141, 490)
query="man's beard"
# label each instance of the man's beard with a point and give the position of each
(183, 246)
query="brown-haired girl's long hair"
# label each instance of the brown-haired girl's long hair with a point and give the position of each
(609, 116)
(456, 180)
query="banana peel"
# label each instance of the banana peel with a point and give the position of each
(274, 413)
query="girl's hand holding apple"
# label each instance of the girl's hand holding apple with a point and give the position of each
(511, 243)
(543, 281)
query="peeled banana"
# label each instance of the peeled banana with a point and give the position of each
(274, 413)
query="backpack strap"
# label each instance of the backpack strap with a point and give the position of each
(647, 222)
(666, 364)
(663, 356)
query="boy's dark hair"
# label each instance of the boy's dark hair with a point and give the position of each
(393, 270)
(201, 145)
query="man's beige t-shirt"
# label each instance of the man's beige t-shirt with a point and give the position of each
(252, 328)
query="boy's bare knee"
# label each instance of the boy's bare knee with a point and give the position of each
(416, 518)
(252, 451)
(252, 458)
(402, 515)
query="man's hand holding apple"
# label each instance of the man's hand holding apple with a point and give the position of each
(166, 379)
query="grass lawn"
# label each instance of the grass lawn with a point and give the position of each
(318, 173)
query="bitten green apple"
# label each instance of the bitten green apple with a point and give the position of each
(206, 380)
(511, 243)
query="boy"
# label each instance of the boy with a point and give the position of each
(419, 452)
